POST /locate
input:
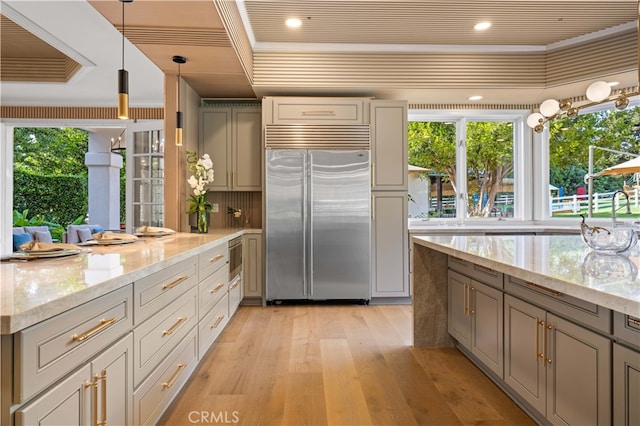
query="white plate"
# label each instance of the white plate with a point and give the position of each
(44, 254)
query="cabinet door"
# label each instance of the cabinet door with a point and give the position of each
(252, 265)
(390, 245)
(524, 368)
(67, 403)
(578, 374)
(486, 326)
(247, 150)
(215, 135)
(389, 145)
(626, 386)
(112, 373)
(459, 320)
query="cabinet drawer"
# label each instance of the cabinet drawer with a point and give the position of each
(212, 260)
(477, 272)
(154, 339)
(235, 295)
(325, 111)
(156, 291)
(212, 325)
(211, 290)
(566, 306)
(627, 328)
(52, 348)
(155, 394)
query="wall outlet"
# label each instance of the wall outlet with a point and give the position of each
(214, 208)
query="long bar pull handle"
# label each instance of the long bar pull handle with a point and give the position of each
(544, 289)
(103, 377)
(217, 323)
(633, 321)
(319, 113)
(174, 377)
(471, 294)
(104, 323)
(234, 284)
(550, 328)
(537, 340)
(464, 300)
(215, 258)
(311, 201)
(544, 339)
(373, 174)
(174, 327)
(94, 399)
(373, 207)
(305, 208)
(218, 287)
(174, 283)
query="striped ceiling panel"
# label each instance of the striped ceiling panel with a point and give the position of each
(216, 37)
(516, 22)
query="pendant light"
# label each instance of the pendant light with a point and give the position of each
(179, 60)
(123, 78)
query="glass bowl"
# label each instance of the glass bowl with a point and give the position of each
(616, 240)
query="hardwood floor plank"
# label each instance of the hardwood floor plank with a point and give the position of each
(344, 397)
(342, 365)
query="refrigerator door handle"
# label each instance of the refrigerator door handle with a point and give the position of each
(310, 215)
(305, 184)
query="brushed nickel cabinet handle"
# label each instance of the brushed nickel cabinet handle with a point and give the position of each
(471, 311)
(174, 327)
(174, 377)
(550, 328)
(218, 287)
(175, 282)
(544, 340)
(104, 323)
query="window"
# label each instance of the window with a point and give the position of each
(474, 165)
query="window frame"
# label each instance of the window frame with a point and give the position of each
(522, 157)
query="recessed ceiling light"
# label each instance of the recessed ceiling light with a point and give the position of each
(475, 98)
(481, 26)
(293, 23)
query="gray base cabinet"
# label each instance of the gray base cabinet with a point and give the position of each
(252, 267)
(626, 386)
(100, 392)
(559, 368)
(475, 319)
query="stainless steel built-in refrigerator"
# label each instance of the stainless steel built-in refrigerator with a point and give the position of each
(317, 225)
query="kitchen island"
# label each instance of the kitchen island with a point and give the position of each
(553, 324)
(113, 332)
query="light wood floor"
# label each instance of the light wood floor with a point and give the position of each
(335, 365)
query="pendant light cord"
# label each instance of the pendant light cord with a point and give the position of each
(122, 35)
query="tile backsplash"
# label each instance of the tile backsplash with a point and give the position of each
(249, 202)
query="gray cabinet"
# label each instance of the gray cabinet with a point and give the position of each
(558, 367)
(389, 149)
(252, 268)
(390, 245)
(626, 386)
(99, 392)
(232, 137)
(475, 319)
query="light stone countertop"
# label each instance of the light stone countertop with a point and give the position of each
(558, 262)
(35, 290)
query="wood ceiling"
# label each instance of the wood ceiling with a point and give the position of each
(424, 51)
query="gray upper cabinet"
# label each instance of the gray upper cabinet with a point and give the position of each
(232, 136)
(389, 145)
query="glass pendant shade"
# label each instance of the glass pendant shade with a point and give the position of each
(534, 119)
(598, 91)
(549, 107)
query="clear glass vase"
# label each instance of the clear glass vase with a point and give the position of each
(203, 221)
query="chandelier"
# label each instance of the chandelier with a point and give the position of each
(597, 93)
